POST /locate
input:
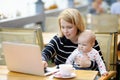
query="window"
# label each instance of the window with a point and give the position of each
(14, 8)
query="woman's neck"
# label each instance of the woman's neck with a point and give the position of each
(74, 40)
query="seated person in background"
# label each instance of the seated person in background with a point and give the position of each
(98, 7)
(115, 8)
(105, 6)
(86, 42)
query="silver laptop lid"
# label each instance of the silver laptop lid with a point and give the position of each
(25, 58)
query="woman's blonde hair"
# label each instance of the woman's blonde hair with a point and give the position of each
(74, 17)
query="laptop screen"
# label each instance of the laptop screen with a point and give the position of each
(25, 58)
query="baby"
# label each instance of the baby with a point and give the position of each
(86, 41)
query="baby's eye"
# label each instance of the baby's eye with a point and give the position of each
(84, 44)
(69, 27)
(79, 43)
(62, 27)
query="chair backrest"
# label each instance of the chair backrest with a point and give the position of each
(103, 22)
(106, 44)
(21, 35)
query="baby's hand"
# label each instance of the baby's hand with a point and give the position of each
(83, 61)
(105, 74)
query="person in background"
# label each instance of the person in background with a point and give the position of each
(61, 46)
(86, 42)
(115, 8)
(90, 1)
(98, 7)
(105, 6)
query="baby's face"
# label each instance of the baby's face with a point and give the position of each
(84, 45)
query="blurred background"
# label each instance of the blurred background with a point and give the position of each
(14, 8)
(35, 21)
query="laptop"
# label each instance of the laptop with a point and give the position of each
(25, 58)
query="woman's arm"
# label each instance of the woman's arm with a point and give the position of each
(49, 51)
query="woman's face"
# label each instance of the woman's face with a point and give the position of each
(68, 30)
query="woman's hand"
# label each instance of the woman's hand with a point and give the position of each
(45, 64)
(83, 61)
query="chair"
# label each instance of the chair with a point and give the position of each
(102, 22)
(106, 45)
(106, 27)
(21, 35)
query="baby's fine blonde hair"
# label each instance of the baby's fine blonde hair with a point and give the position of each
(88, 34)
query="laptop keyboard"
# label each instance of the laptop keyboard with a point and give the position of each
(48, 69)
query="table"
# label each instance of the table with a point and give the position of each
(5, 74)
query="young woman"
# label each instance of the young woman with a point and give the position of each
(62, 45)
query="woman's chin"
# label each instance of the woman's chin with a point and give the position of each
(68, 37)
